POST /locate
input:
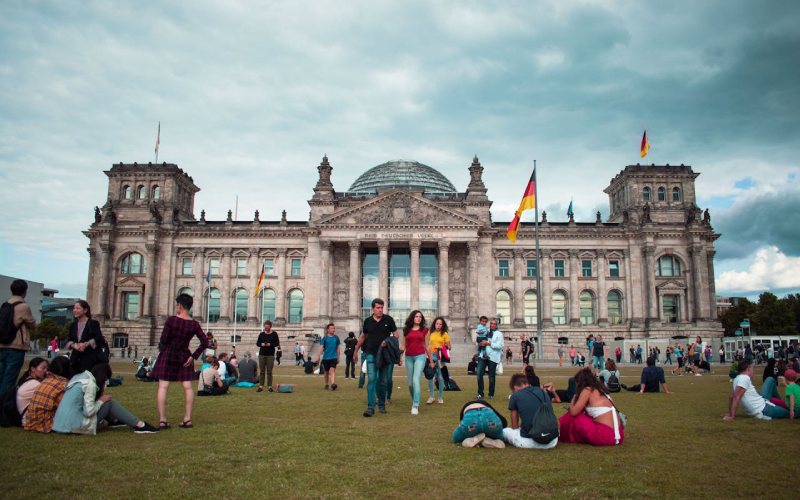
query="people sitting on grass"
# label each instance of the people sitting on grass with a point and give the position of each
(580, 359)
(480, 425)
(524, 403)
(792, 393)
(472, 366)
(227, 372)
(248, 368)
(210, 382)
(47, 396)
(30, 380)
(145, 371)
(530, 375)
(652, 379)
(592, 417)
(610, 376)
(308, 366)
(755, 404)
(84, 406)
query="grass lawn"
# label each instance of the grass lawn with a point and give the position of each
(316, 443)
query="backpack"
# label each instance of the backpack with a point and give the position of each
(544, 425)
(613, 383)
(451, 385)
(8, 330)
(9, 416)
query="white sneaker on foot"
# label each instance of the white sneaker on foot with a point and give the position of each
(414, 410)
(473, 441)
(440, 401)
(492, 443)
(430, 400)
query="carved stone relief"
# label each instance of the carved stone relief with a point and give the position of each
(458, 280)
(341, 280)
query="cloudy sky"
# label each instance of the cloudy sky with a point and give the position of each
(250, 96)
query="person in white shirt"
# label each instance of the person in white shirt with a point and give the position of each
(756, 405)
(493, 347)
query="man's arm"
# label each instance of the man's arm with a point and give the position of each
(358, 347)
(514, 419)
(736, 396)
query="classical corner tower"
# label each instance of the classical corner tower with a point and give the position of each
(477, 203)
(323, 201)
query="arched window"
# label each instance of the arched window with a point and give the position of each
(188, 291)
(662, 194)
(587, 307)
(503, 307)
(614, 307)
(646, 194)
(141, 192)
(676, 194)
(156, 193)
(213, 296)
(127, 192)
(559, 305)
(530, 308)
(668, 265)
(268, 305)
(133, 263)
(295, 306)
(240, 305)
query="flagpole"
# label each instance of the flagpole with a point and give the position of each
(208, 304)
(158, 140)
(235, 316)
(538, 266)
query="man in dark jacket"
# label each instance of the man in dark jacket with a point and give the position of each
(267, 342)
(377, 328)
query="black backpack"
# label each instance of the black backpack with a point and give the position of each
(613, 384)
(8, 330)
(544, 425)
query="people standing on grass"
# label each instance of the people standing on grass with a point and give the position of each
(618, 353)
(374, 332)
(85, 339)
(757, 405)
(493, 348)
(572, 355)
(350, 349)
(415, 344)
(12, 354)
(560, 355)
(598, 351)
(53, 347)
(267, 342)
(524, 402)
(298, 357)
(439, 339)
(329, 355)
(721, 353)
(175, 362)
(592, 417)
(526, 348)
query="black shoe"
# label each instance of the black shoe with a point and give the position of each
(116, 424)
(382, 409)
(259, 389)
(333, 387)
(369, 412)
(145, 429)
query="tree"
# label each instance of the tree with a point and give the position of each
(736, 314)
(47, 329)
(773, 316)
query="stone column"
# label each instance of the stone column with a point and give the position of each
(103, 308)
(150, 279)
(444, 278)
(200, 273)
(697, 278)
(712, 288)
(544, 267)
(225, 303)
(472, 282)
(253, 299)
(414, 245)
(324, 285)
(383, 270)
(518, 304)
(355, 278)
(280, 293)
(649, 275)
(602, 293)
(574, 290)
(91, 292)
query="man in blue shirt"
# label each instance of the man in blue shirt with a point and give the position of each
(330, 355)
(493, 348)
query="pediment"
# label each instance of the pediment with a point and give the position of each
(399, 208)
(130, 282)
(671, 285)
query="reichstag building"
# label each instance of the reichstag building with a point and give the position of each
(404, 233)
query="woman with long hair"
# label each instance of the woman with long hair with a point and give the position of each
(175, 362)
(414, 343)
(592, 417)
(84, 405)
(47, 396)
(30, 380)
(439, 339)
(85, 339)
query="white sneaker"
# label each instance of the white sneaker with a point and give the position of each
(440, 401)
(472, 442)
(492, 443)
(430, 400)
(414, 410)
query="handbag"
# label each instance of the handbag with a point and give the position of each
(444, 355)
(364, 366)
(499, 370)
(429, 371)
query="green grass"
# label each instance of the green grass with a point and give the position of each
(316, 443)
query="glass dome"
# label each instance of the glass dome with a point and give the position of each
(402, 174)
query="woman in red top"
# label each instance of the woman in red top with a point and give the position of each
(175, 362)
(415, 345)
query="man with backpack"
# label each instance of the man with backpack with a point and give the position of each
(533, 422)
(16, 323)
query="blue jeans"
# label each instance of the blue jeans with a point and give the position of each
(376, 383)
(477, 421)
(770, 390)
(597, 362)
(389, 383)
(438, 376)
(11, 361)
(414, 367)
(482, 364)
(362, 374)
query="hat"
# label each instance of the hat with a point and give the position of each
(790, 375)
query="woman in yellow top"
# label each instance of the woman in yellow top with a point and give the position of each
(438, 337)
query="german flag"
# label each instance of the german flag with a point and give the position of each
(528, 202)
(260, 280)
(645, 147)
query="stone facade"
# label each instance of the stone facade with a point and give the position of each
(647, 272)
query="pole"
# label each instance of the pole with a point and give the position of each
(538, 266)
(235, 315)
(208, 304)
(236, 209)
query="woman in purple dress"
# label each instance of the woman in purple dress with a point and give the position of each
(175, 362)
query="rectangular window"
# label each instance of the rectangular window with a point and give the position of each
(671, 311)
(296, 269)
(503, 270)
(213, 264)
(586, 268)
(558, 268)
(241, 267)
(130, 305)
(533, 268)
(269, 267)
(119, 340)
(613, 268)
(186, 266)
